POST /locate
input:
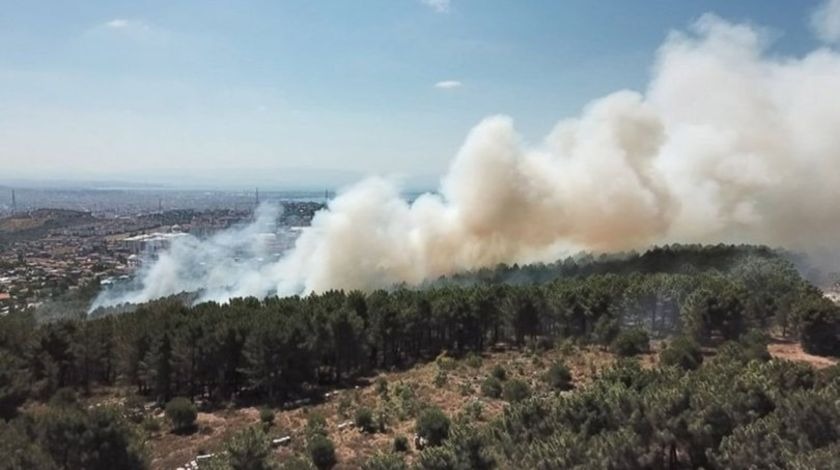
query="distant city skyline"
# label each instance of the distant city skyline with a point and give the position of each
(262, 92)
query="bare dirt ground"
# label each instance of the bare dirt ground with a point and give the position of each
(792, 351)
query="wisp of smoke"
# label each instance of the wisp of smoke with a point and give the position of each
(727, 144)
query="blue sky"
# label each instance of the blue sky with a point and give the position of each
(133, 89)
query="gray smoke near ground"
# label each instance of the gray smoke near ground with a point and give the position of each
(226, 265)
(728, 144)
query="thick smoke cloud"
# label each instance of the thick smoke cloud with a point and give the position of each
(728, 144)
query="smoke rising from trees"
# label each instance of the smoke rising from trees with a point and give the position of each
(228, 264)
(729, 143)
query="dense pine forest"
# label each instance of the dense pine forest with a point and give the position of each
(735, 409)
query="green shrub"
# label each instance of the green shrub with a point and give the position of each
(345, 403)
(473, 448)
(491, 387)
(407, 404)
(606, 329)
(267, 416)
(321, 451)
(755, 346)
(382, 386)
(385, 461)
(78, 438)
(445, 363)
(830, 375)
(437, 458)
(516, 391)
(559, 377)
(474, 360)
(134, 409)
(249, 450)
(19, 451)
(631, 342)
(182, 414)
(730, 351)
(474, 409)
(14, 381)
(565, 346)
(682, 352)
(400, 443)
(499, 372)
(819, 326)
(440, 378)
(64, 397)
(381, 418)
(316, 424)
(151, 424)
(544, 343)
(292, 463)
(404, 391)
(364, 420)
(433, 425)
(789, 375)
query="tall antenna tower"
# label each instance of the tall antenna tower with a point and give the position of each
(14, 203)
(257, 196)
(160, 205)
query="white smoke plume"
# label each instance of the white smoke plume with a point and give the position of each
(729, 143)
(226, 265)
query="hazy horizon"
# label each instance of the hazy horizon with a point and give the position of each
(241, 179)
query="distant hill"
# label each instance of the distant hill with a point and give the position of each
(37, 223)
